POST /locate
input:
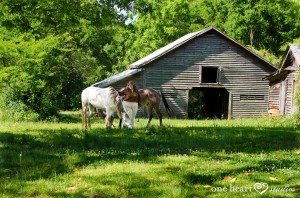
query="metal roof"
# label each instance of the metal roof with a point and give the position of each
(294, 51)
(136, 66)
(107, 82)
(164, 50)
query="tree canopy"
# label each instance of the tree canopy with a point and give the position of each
(51, 50)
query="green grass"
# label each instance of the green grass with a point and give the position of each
(185, 158)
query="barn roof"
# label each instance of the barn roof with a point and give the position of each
(290, 62)
(136, 66)
(292, 57)
(186, 38)
(164, 50)
(116, 78)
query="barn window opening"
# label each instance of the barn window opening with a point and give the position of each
(209, 75)
(252, 97)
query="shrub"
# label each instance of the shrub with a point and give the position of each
(14, 109)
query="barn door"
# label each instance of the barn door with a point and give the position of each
(208, 103)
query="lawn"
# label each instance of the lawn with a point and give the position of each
(185, 158)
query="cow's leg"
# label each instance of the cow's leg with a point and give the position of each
(89, 117)
(108, 118)
(159, 114)
(150, 114)
(84, 124)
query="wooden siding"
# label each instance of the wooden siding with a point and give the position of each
(282, 95)
(286, 78)
(274, 103)
(240, 72)
(289, 97)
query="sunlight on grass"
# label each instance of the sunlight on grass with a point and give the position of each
(184, 158)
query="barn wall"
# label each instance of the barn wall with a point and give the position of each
(282, 95)
(274, 100)
(240, 73)
(296, 106)
(290, 89)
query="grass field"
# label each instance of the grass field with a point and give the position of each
(185, 158)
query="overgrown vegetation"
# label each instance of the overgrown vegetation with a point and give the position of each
(185, 158)
(50, 51)
(196, 105)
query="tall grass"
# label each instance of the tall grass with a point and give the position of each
(184, 158)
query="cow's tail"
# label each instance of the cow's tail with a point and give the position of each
(170, 112)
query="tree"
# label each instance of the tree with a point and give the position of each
(158, 23)
(263, 24)
(50, 51)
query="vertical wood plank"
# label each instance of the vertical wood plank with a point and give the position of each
(230, 106)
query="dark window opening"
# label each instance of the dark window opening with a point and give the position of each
(209, 75)
(252, 97)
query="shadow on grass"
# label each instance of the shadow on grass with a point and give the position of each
(155, 141)
(136, 186)
(49, 152)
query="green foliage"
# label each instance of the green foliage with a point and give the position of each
(263, 24)
(50, 51)
(44, 74)
(14, 110)
(196, 105)
(158, 23)
(267, 55)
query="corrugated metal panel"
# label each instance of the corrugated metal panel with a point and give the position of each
(160, 52)
(123, 75)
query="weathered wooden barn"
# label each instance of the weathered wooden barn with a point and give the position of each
(205, 71)
(283, 83)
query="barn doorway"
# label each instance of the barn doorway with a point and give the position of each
(208, 103)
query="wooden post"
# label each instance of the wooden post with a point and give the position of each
(229, 105)
(187, 101)
(282, 98)
(200, 74)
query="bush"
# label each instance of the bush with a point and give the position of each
(15, 110)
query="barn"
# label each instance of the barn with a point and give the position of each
(204, 74)
(283, 83)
